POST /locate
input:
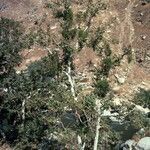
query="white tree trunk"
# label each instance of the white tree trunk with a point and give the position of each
(97, 125)
(71, 81)
(23, 111)
(72, 84)
(80, 144)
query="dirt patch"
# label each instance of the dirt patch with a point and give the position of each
(85, 59)
(29, 56)
(127, 23)
(141, 21)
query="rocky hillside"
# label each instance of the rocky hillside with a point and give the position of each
(121, 27)
(127, 23)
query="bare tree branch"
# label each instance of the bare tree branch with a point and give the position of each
(71, 81)
(98, 105)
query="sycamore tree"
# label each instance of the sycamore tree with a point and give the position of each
(33, 101)
(40, 108)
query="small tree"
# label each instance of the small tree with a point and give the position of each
(143, 98)
(11, 43)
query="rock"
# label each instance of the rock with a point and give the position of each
(106, 113)
(141, 14)
(18, 71)
(144, 144)
(117, 101)
(116, 89)
(129, 144)
(143, 110)
(143, 37)
(121, 80)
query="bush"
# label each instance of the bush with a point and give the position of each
(101, 88)
(11, 43)
(67, 53)
(97, 39)
(82, 36)
(48, 67)
(143, 98)
(69, 34)
(67, 16)
(107, 64)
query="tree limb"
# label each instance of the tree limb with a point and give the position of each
(71, 81)
(98, 105)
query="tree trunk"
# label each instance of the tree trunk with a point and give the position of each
(97, 125)
(71, 81)
(23, 111)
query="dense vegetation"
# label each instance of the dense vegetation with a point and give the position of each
(38, 107)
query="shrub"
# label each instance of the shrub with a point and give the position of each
(107, 64)
(11, 43)
(82, 37)
(101, 88)
(143, 98)
(67, 53)
(48, 67)
(69, 34)
(97, 38)
(67, 16)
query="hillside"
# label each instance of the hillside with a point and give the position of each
(87, 59)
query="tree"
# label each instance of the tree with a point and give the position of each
(11, 43)
(41, 107)
(143, 98)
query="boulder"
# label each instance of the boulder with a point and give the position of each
(144, 144)
(121, 80)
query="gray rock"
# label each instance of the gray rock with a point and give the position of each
(144, 144)
(121, 80)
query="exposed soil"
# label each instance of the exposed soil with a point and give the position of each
(29, 56)
(141, 21)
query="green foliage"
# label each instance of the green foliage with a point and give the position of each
(82, 37)
(102, 88)
(39, 37)
(108, 136)
(67, 16)
(43, 97)
(81, 17)
(138, 120)
(46, 67)
(89, 103)
(94, 8)
(11, 43)
(143, 98)
(59, 14)
(67, 53)
(44, 90)
(107, 65)
(69, 34)
(97, 38)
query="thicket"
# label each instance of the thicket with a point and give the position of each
(143, 98)
(38, 109)
(31, 102)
